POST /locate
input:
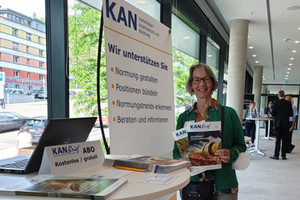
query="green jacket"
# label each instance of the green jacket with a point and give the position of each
(232, 139)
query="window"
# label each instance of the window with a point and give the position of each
(16, 59)
(22, 53)
(40, 52)
(15, 46)
(41, 64)
(28, 36)
(184, 38)
(212, 59)
(185, 52)
(14, 32)
(41, 77)
(16, 74)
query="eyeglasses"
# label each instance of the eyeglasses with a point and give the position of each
(197, 80)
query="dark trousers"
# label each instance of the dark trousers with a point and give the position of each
(289, 140)
(250, 130)
(271, 128)
(282, 135)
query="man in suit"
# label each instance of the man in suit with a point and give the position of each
(293, 121)
(281, 110)
(267, 112)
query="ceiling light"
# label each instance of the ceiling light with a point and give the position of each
(290, 64)
(209, 55)
(286, 78)
(186, 37)
(141, 2)
(287, 72)
(254, 55)
(293, 8)
(292, 58)
(251, 47)
(299, 28)
(289, 68)
(297, 41)
(256, 61)
(294, 51)
(287, 75)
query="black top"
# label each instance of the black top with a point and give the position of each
(282, 110)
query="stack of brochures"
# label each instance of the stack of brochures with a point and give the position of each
(150, 164)
(69, 187)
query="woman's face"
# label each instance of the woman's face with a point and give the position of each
(202, 88)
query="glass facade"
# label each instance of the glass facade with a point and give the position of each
(212, 59)
(22, 37)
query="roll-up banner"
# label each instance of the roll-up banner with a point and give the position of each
(139, 81)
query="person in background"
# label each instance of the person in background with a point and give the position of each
(250, 128)
(267, 112)
(281, 110)
(202, 83)
(293, 121)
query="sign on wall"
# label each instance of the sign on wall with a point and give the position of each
(139, 81)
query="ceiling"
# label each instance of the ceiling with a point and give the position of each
(284, 35)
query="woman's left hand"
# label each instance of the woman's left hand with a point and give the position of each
(224, 155)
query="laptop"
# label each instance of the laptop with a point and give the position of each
(56, 132)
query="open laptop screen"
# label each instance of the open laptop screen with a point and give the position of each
(57, 132)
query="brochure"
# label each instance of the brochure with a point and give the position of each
(204, 139)
(69, 187)
(150, 164)
(180, 137)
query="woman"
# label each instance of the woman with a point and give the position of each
(250, 114)
(202, 83)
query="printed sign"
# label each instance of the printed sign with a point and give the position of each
(67, 158)
(139, 81)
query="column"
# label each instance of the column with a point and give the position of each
(264, 99)
(257, 82)
(237, 64)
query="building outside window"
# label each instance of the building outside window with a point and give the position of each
(17, 17)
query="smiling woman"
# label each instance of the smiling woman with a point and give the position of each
(202, 83)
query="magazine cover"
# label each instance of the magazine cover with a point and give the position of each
(151, 164)
(180, 137)
(71, 187)
(204, 139)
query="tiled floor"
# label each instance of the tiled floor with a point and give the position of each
(267, 179)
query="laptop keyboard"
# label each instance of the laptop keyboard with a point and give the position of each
(20, 164)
